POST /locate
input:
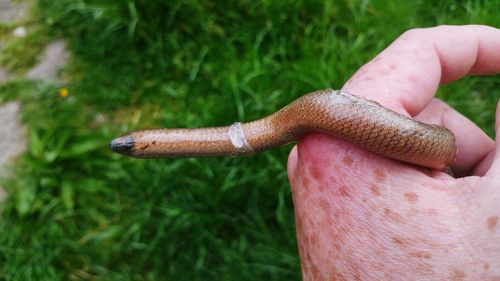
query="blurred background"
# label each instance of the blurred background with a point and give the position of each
(76, 73)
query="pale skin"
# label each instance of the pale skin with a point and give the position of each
(360, 216)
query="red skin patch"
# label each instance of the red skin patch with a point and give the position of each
(316, 172)
(492, 222)
(348, 161)
(375, 190)
(380, 175)
(412, 197)
(343, 191)
(458, 275)
(393, 216)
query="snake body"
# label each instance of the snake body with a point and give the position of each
(338, 113)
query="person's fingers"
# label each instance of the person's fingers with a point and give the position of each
(484, 165)
(405, 76)
(468, 135)
(494, 170)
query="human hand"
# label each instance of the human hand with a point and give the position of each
(360, 216)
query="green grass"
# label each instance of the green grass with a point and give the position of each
(78, 212)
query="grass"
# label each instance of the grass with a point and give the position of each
(78, 212)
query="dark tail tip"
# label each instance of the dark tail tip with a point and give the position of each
(123, 145)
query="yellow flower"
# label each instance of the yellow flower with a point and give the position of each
(63, 92)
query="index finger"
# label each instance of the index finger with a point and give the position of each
(405, 76)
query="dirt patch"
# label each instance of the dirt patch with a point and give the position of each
(4, 75)
(11, 11)
(13, 140)
(54, 57)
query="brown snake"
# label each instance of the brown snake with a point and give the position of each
(338, 113)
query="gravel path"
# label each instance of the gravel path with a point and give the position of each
(12, 133)
(12, 11)
(13, 137)
(54, 57)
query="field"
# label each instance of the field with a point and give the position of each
(76, 211)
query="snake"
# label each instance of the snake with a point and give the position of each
(335, 112)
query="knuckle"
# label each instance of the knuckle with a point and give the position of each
(419, 32)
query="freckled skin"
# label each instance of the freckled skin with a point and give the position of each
(380, 227)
